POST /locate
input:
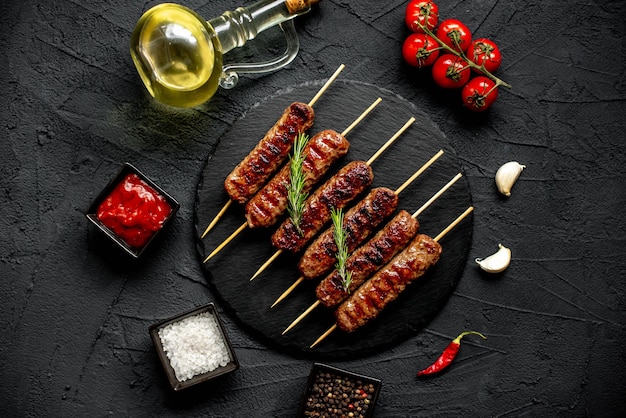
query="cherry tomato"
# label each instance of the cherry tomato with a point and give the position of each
(455, 34)
(479, 93)
(485, 52)
(450, 71)
(422, 11)
(420, 50)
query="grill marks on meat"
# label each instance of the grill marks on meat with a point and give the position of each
(337, 192)
(358, 222)
(368, 258)
(323, 150)
(387, 284)
(253, 171)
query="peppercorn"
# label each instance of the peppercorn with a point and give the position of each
(338, 396)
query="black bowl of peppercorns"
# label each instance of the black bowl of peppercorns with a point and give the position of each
(332, 392)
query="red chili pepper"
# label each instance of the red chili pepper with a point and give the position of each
(448, 355)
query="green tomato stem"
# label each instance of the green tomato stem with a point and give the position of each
(461, 54)
(457, 340)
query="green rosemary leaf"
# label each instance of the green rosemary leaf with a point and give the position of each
(295, 194)
(339, 234)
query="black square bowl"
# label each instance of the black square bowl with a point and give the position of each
(119, 177)
(360, 392)
(177, 385)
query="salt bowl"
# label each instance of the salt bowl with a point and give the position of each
(193, 347)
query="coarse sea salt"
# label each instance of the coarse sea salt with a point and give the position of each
(194, 346)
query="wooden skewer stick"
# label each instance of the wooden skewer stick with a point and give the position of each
(453, 224)
(245, 224)
(266, 264)
(217, 217)
(419, 172)
(324, 335)
(361, 117)
(326, 85)
(311, 103)
(398, 191)
(226, 241)
(302, 316)
(391, 140)
(368, 162)
(436, 195)
(437, 238)
(287, 292)
(415, 215)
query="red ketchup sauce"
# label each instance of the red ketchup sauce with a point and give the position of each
(134, 211)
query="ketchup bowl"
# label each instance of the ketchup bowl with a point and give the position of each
(132, 210)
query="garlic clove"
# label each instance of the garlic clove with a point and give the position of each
(497, 262)
(507, 175)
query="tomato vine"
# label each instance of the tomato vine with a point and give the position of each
(448, 47)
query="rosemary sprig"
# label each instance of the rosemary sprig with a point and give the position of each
(339, 234)
(295, 193)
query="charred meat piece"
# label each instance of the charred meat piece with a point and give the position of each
(368, 258)
(336, 193)
(359, 222)
(269, 204)
(257, 167)
(386, 285)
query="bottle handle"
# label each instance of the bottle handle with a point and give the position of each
(230, 72)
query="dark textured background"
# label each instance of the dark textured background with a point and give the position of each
(75, 313)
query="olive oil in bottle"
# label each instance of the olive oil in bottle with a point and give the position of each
(177, 55)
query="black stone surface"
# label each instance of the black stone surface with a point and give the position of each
(76, 310)
(230, 270)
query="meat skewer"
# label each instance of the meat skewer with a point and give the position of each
(313, 262)
(339, 191)
(266, 207)
(364, 262)
(387, 284)
(359, 222)
(254, 170)
(367, 259)
(336, 193)
(321, 152)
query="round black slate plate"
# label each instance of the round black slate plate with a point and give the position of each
(229, 272)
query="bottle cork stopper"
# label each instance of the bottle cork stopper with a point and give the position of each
(299, 6)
